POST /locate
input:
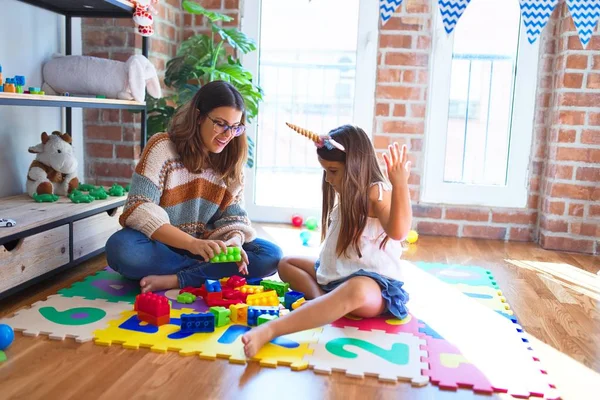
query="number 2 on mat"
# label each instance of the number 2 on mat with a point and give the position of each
(398, 354)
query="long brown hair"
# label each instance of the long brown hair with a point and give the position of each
(360, 172)
(184, 131)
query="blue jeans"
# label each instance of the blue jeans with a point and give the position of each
(134, 255)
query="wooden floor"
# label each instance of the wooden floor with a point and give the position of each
(556, 297)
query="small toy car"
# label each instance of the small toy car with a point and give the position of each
(7, 222)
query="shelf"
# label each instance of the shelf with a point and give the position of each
(86, 8)
(32, 217)
(34, 100)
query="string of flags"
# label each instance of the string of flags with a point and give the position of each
(535, 15)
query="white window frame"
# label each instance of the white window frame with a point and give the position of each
(514, 193)
(366, 71)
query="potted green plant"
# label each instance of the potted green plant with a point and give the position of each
(201, 59)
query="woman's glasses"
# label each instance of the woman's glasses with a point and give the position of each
(221, 127)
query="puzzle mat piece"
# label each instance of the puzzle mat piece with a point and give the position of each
(389, 324)
(60, 317)
(107, 285)
(488, 296)
(489, 341)
(451, 273)
(224, 342)
(198, 305)
(359, 353)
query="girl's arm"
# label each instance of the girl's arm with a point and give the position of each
(394, 211)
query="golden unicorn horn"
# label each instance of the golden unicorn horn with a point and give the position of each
(305, 132)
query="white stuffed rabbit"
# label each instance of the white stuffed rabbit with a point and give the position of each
(99, 76)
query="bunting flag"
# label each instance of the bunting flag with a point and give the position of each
(585, 14)
(451, 11)
(387, 8)
(536, 14)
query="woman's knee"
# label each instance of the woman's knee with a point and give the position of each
(265, 256)
(124, 253)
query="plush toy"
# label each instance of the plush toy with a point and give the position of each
(87, 75)
(54, 170)
(142, 16)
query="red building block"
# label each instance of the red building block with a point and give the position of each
(235, 281)
(231, 294)
(152, 308)
(198, 292)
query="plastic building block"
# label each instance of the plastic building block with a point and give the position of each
(20, 80)
(221, 316)
(263, 299)
(85, 187)
(280, 287)
(266, 318)
(298, 303)
(253, 281)
(235, 282)
(186, 298)
(239, 313)
(233, 255)
(198, 292)
(255, 312)
(116, 190)
(99, 193)
(214, 299)
(251, 289)
(232, 294)
(291, 297)
(45, 198)
(212, 286)
(152, 308)
(194, 323)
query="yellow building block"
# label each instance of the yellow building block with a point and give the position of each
(239, 313)
(263, 299)
(251, 289)
(298, 303)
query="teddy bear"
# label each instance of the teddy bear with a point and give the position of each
(54, 170)
(142, 16)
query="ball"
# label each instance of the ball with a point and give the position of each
(297, 221)
(7, 335)
(412, 237)
(312, 223)
(305, 237)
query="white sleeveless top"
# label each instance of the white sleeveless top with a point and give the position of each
(384, 261)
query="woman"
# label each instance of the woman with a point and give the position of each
(184, 206)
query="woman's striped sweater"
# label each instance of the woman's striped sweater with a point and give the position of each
(164, 191)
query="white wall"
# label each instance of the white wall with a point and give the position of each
(28, 37)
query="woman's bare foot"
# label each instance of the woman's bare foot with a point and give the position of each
(256, 338)
(153, 283)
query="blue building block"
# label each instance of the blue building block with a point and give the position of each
(253, 281)
(212, 286)
(20, 80)
(255, 311)
(192, 323)
(291, 297)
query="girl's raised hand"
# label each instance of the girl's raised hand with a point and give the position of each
(398, 166)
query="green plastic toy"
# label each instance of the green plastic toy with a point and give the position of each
(80, 197)
(186, 298)
(280, 287)
(233, 255)
(127, 188)
(99, 193)
(45, 198)
(116, 190)
(84, 187)
(221, 315)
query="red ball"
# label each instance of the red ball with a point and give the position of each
(297, 221)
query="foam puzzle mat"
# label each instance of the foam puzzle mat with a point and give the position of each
(418, 349)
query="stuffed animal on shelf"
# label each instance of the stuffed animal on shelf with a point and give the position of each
(86, 75)
(54, 170)
(142, 17)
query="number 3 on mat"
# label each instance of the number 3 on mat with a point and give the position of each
(398, 354)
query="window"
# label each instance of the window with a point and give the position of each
(481, 108)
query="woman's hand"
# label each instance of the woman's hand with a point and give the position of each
(398, 166)
(207, 249)
(235, 241)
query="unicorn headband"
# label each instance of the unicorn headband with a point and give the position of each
(319, 140)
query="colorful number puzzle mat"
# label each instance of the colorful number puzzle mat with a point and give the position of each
(460, 333)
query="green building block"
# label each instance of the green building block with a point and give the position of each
(99, 193)
(282, 300)
(221, 316)
(84, 187)
(265, 318)
(186, 298)
(233, 255)
(45, 198)
(280, 287)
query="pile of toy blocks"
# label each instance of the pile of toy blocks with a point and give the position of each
(235, 299)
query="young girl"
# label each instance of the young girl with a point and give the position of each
(363, 221)
(184, 205)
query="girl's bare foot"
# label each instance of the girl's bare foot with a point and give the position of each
(256, 338)
(153, 283)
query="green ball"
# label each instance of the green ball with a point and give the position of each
(312, 223)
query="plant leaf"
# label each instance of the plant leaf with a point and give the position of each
(237, 39)
(194, 8)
